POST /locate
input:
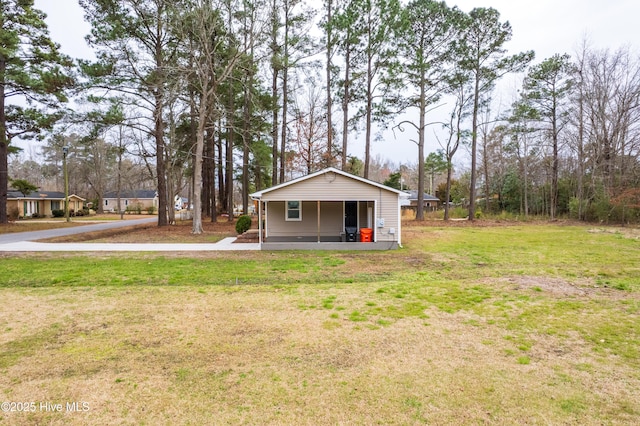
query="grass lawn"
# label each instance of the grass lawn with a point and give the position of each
(531, 324)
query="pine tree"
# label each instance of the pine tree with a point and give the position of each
(135, 47)
(483, 55)
(31, 69)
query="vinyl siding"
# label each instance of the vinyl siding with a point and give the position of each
(332, 189)
(324, 189)
(330, 220)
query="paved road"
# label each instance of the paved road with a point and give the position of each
(24, 241)
(62, 232)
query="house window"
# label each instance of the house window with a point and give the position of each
(294, 211)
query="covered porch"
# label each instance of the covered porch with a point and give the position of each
(328, 210)
(313, 222)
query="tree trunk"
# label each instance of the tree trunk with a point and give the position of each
(4, 147)
(421, 137)
(448, 190)
(197, 164)
(369, 113)
(485, 169)
(474, 147)
(246, 141)
(283, 136)
(345, 107)
(222, 188)
(160, 163)
(229, 156)
(581, 159)
(274, 128)
(329, 46)
(285, 94)
(553, 205)
(209, 176)
(525, 177)
(275, 67)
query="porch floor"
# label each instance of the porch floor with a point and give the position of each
(327, 245)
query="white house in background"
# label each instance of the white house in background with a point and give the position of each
(329, 209)
(180, 203)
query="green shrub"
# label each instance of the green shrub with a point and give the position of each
(574, 208)
(601, 210)
(458, 212)
(57, 213)
(243, 224)
(151, 210)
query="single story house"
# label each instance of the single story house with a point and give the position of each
(139, 199)
(41, 203)
(430, 202)
(329, 209)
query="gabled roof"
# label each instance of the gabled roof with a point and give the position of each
(258, 195)
(413, 195)
(137, 194)
(39, 195)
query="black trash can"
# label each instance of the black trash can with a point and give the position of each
(351, 234)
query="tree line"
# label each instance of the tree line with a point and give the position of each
(202, 94)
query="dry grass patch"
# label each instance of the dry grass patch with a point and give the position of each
(555, 286)
(151, 233)
(34, 225)
(522, 325)
(262, 355)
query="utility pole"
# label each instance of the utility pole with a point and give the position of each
(65, 151)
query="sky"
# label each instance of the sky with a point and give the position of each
(545, 26)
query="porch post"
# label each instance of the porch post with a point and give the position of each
(399, 231)
(318, 220)
(260, 222)
(374, 225)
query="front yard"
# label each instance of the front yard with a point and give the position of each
(465, 325)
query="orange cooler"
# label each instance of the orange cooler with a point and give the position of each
(366, 235)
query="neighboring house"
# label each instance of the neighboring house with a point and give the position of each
(140, 199)
(41, 203)
(430, 202)
(329, 209)
(180, 203)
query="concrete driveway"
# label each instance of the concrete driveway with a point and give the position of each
(27, 241)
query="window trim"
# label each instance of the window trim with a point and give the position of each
(287, 210)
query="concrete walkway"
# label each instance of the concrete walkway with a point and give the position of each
(26, 241)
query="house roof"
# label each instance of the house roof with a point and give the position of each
(413, 195)
(39, 195)
(136, 193)
(258, 195)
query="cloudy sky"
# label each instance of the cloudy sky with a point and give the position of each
(545, 26)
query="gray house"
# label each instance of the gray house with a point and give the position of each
(329, 209)
(131, 200)
(430, 202)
